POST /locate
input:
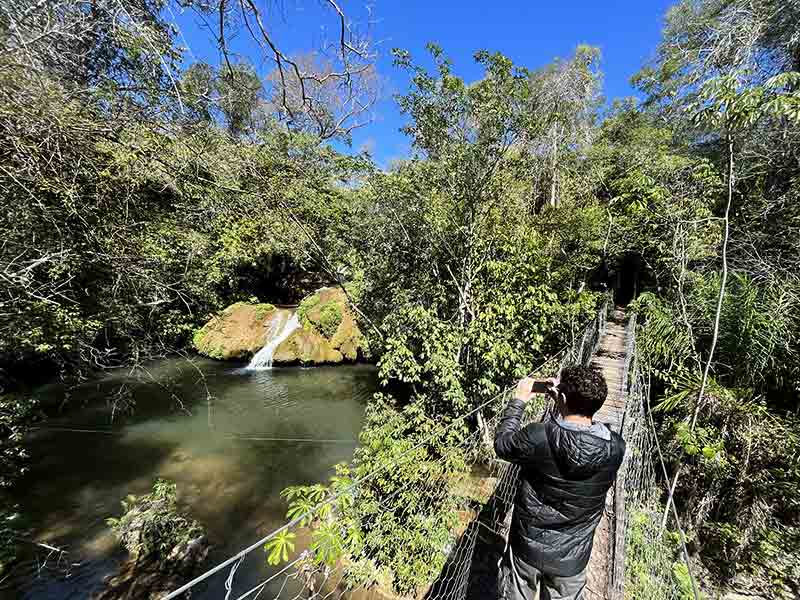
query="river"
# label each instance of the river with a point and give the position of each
(222, 454)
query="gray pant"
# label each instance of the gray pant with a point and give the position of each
(524, 582)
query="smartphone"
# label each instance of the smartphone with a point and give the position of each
(541, 387)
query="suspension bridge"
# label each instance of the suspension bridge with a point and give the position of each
(483, 497)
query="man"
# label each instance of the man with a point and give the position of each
(567, 465)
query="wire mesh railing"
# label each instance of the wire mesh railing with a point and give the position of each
(437, 498)
(645, 565)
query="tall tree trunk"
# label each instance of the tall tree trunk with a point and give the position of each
(554, 168)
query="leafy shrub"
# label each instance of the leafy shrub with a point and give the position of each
(8, 536)
(652, 568)
(197, 338)
(685, 591)
(152, 523)
(420, 359)
(741, 460)
(647, 559)
(262, 310)
(400, 524)
(330, 317)
(16, 413)
(305, 307)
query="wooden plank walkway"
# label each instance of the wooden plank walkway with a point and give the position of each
(610, 358)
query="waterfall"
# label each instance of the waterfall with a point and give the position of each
(280, 330)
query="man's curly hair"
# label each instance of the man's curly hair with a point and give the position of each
(584, 388)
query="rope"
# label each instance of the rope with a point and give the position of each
(71, 430)
(229, 580)
(233, 436)
(264, 583)
(311, 511)
(509, 483)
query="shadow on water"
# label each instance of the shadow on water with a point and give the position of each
(473, 567)
(228, 457)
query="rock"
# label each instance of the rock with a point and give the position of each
(152, 579)
(307, 347)
(329, 333)
(239, 331)
(185, 556)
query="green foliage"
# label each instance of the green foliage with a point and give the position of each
(156, 231)
(152, 524)
(302, 499)
(472, 260)
(741, 449)
(197, 338)
(479, 292)
(9, 535)
(662, 339)
(683, 581)
(666, 199)
(725, 104)
(422, 355)
(327, 544)
(263, 309)
(16, 414)
(330, 317)
(758, 328)
(239, 88)
(280, 547)
(520, 319)
(649, 558)
(400, 522)
(306, 306)
(485, 286)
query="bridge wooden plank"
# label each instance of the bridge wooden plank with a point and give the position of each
(610, 358)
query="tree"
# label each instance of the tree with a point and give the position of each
(121, 50)
(564, 99)
(468, 292)
(198, 91)
(722, 81)
(329, 93)
(239, 91)
(318, 101)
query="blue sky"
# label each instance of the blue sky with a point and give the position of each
(531, 33)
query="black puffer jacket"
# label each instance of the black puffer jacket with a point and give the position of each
(564, 479)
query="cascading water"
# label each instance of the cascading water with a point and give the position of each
(280, 330)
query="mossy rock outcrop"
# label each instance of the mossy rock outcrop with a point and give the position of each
(238, 332)
(328, 333)
(306, 347)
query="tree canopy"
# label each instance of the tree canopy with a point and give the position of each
(142, 193)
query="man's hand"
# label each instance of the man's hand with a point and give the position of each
(528, 387)
(524, 389)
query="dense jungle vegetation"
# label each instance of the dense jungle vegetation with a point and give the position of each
(142, 192)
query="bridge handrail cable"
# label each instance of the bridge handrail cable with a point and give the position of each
(595, 325)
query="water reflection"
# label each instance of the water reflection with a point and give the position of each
(221, 438)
